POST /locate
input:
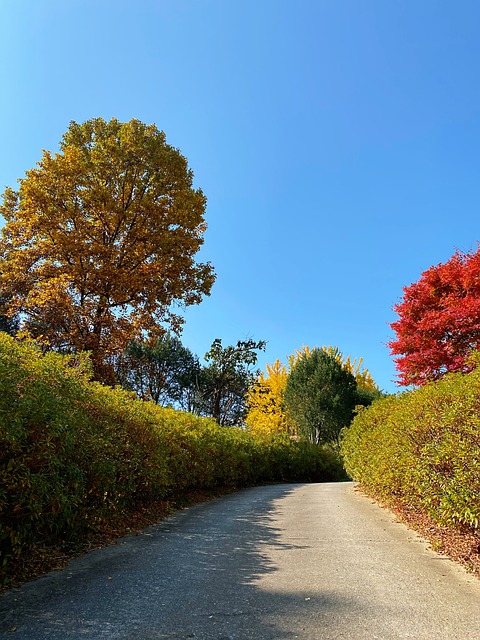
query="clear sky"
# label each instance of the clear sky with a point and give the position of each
(337, 142)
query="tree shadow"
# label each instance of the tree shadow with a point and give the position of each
(205, 572)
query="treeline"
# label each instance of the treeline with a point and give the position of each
(421, 449)
(98, 251)
(314, 397)
(75, 453)
(169, 374)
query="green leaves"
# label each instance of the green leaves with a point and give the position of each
(320, 395)
(422, 449)
(225, 381)
(74, 452)
(165, 372)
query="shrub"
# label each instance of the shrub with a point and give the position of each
(421, 449)
(74, 452)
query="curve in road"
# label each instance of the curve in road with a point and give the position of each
(308, 561)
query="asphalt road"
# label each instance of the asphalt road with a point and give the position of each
(308, 561)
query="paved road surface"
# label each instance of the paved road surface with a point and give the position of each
(304, 561)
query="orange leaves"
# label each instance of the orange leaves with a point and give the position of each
(105, 232)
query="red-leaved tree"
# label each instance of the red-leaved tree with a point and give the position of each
(439, 321)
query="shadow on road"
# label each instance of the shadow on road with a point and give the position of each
(199, 574)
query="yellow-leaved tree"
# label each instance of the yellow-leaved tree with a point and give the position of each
(265, 402)
(100, 240)
(267, 410)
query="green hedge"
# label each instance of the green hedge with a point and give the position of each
(73, 452)
(421, 450)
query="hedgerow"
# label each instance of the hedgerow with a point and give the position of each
(421, 450)
(73, 452)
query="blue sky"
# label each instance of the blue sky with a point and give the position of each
(337, 142)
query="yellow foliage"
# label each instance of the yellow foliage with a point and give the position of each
(265, 402)
(303, 351)
(362, 377)
(100, 239)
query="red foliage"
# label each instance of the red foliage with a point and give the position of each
(439, 321)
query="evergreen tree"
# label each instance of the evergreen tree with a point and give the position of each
(320, 395)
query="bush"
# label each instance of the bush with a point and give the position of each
(421, 449)
(73, 453)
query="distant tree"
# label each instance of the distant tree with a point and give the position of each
(226, 379)
(99, 241)
(267, 411)
(265, 402)
(320, 395)
(439, 321)
(166, 372)
(364, 396)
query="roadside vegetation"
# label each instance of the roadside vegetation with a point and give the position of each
(419, 454)
(75, 454)
(105, 413)
(422, 449)
(105, 416)
(419, 451)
